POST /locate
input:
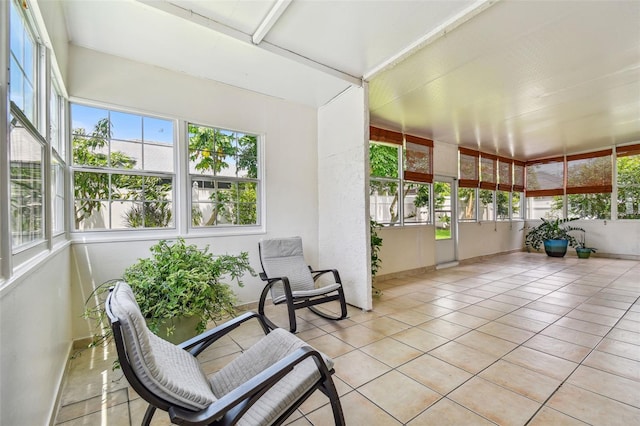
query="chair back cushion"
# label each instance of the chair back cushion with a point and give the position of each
(283, 257)
(168, 371)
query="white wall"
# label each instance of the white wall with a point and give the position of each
(476, 239)
(291, 154)
(343, 209)
(406, 249)
(35, 340)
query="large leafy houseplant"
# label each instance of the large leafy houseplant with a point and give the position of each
(178, 281)
(551, 229)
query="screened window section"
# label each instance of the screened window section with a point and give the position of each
(385, 152)
(418, 176)
(545, 188)
(223, 165)
(23, 90)
(505, 185)
(589, 185)
(56, 131)
(628, 181)
(123, 170)
(517, 196)
(469, 180)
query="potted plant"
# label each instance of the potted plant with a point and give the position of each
(554, 235)
(178, 285)
(582, 250)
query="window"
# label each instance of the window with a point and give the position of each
(517, 211)
(122, 171)
(502, 205)
(223, 165)
(628, 181)
(589, 185)
(26, 181)
(487, 210)
(23, 90)
(56, 132)
(469, 180)
(545, 177)
(399, 170)
(467, 204)
(543, 207)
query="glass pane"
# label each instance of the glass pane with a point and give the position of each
(90, 121)
(628, 187)
(416, 203)
(504, 173)
(418, 158)
(383, 160)
(545, 176)
(544, 207)
(27, 214)
(443, 225)
(516, 205)
(502, 205)
(125, 126)
(467, 203)
(126, 155)
(589, 172)
(383, 202)
(201, 150)
(90, 190)
(225, 153)
(469, 167)
(589, 206)
(247, 203)
(248, 156)
(486, 204)
(57, 195)
(90, 151)
(158, 157)
(487, 170)
(157, 130)
(442, 207)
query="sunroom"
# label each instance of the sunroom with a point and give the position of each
(453, 125)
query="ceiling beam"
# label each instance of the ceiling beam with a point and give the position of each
(196, 18)
(270, 20)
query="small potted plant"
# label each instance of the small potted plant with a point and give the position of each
(178, 285)
(554, 235)
(582, 250)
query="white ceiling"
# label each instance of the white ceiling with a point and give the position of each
(527, 79)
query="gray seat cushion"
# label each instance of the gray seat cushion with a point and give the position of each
(269, 350)
(171, 373)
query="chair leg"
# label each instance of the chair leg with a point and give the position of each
(292, 316)
(148, 415)
(334, 398)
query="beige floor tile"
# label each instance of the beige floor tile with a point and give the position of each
(357, 368)
(391, 352)
(486, 343)
(548, 416)
(506, 332)
(331, 345)
(630, 325)
(411, 317)
(435, 373)
(318, 399)
(512, 300)
(92, 405)
(451, 304)
(541, 362)
(419, 339)
(358, 335)
(137, 410)
(591, 317)
(498, 306)
(584, 326)
(548, 307)
(602, 310)
(623, 349)
(592, 408)
(625, 336)
(523, 381)
(523, 323)
(537, 315)
(573, 336)
(559, 348)
(358, 411)
(464, 320)
(444, 328)
(607, 384)
(494, 402)
(447, 413)
(464, 357)
(386, 326)
(408, 398)
(482, 312)
(624, 367)
(432, 310)
(115, 415)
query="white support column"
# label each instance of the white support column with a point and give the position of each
(343, 203)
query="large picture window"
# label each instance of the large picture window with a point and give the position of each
(223, 165)
(123, 170)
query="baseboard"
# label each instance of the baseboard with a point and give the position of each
(58, 399)
(403, 274)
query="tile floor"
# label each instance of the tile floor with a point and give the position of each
(513, 340)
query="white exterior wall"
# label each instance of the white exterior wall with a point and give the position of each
(476, 239)
(35, 339)
(290, 152)
(343, 223)
(406, 249)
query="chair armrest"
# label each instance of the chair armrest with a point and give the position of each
(318, 273)
(199, 343)
(239, 400)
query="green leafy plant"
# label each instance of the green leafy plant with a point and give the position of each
(551, 229)
(376, 243)
(582, 243)
(178, 280)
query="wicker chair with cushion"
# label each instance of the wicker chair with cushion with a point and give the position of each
(290, 280)
(262, 386)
